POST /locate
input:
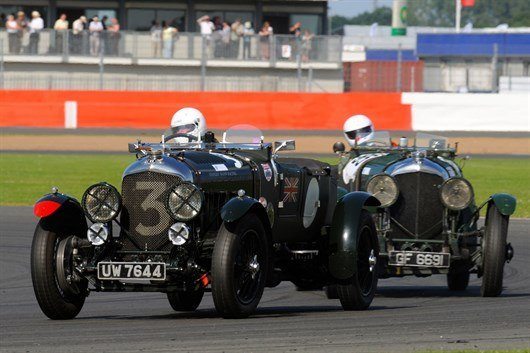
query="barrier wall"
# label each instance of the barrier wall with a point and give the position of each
(469, 112)
(282, 111)
(267, 110)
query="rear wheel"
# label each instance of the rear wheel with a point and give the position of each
(239, 267)
(458, 277)
(493, 252)
(185, 301)
(360, 291)
(59, 295)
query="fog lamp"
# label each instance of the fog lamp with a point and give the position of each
(179, 233)
(97, 234)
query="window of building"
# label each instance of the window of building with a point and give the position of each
(313, 23)
(141, 19)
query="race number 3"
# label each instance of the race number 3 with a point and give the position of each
(152, 202)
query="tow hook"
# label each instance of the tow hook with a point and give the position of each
(509, 252)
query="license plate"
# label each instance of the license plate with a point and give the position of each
(418, 259)
(132, 270)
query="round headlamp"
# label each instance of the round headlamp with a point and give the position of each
(101, 203)
(384, 188)
(184, 201)
(456, 193)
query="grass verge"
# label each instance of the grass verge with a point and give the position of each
(26, 177)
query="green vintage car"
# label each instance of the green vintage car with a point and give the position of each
(428, 219)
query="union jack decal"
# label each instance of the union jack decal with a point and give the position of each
(290, 190)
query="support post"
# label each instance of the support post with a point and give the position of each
(399, 68)
(203, 63)
(458, 7)
(101, 66)
(494, 69)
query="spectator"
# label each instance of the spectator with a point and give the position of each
(169, 34)
(95, 28)
(3, 20)
(248, 33)
(22, 23)
(114, 36)
(12, 34)
(235, 38)
(35, 26)
(264, 40)
(306, 45)
(79, 35)
(206, 26)
(296, 31)
(104, 21)
(225, 40)
(156, 38)
(60, 27)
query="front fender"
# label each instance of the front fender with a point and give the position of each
(505, 203)
(237, 207)
(344, 233)
(61, 214)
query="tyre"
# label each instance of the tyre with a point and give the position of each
(185, 301)
(359, 292)
(58, 298)
(493, 252)
(239, 267)
(331, 291)
(458, 277)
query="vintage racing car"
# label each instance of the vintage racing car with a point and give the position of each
(427, 220)
(232, 217)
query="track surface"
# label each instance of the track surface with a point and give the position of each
(407, 315)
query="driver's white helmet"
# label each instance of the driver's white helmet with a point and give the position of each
(358, 129)
(188, 121)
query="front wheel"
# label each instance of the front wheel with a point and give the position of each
(359, 292)
(185, 301)
(493, 252)
(239, 267)
(60, 297)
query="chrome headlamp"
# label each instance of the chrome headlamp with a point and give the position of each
(101, 203)
(456, 193)
(384, 188)
(184, 202)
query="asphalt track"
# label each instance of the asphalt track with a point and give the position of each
(410, 314)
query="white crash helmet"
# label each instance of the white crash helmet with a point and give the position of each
(358, 129)
(188, 121)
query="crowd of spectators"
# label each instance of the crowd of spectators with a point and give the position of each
(85, 36)
(97, 36)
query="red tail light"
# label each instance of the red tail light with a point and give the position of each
(45, 208)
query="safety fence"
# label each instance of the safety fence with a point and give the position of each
(267, 110)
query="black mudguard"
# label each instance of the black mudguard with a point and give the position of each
(344, 233)
(237, 207)
(67, 219)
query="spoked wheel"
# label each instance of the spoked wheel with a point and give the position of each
(360, 291)
(58, 291)
(239, 267)
(185, 301)
(493, 252)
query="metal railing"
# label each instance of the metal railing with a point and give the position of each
(185, 46)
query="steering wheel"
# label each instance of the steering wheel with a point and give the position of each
(190, 137)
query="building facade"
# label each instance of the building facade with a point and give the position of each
(138, 14)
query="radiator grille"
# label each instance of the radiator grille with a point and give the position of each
(144, 215)
(418, 208)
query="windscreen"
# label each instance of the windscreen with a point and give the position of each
(430, 141)
(378, 139)
(242, 134)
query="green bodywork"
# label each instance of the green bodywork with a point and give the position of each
(505, 203)
(237, 207)
(344, 233)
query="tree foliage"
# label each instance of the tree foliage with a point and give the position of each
(381, 15)
(485, 13)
